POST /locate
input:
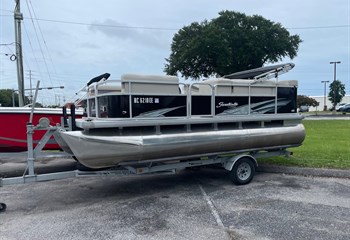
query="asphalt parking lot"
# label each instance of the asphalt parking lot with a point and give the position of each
(192, 204)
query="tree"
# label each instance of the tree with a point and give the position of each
(307, 101)
(6, 98)
(336, 92)
(229, 43)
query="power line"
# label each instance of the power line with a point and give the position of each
(39, 42)
(173, 29)
(164, 28)
(108, 25)
(42, 36)
(6, 10)
(12, 56)
(31, 46)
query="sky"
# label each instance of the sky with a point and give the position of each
(66, 43)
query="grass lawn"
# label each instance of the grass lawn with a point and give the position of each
(327, 145)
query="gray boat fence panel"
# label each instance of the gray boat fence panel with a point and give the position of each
(216, 89)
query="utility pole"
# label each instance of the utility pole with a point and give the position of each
(324, 101)
(18, 35)
(335, 68)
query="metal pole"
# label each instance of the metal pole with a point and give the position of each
(34, 101)
(31, 90)
(324, 100)
(18, 19)
(31, 157)
(13, 97)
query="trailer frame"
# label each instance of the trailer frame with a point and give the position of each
(240, 165)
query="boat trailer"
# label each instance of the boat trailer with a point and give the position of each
(241, 165)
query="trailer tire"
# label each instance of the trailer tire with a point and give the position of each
(2, 207)
(243, 171)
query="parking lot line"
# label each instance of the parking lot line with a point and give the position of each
(212, 207)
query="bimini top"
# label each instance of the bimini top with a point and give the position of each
(262, 72)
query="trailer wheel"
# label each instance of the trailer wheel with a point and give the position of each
(2, 207)
(243, 171)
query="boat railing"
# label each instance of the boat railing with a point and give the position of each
(80, 99)
(257, 80)
(132, 92)
(214, 92)
(118, 87)
(189, 98)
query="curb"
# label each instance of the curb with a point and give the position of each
(326, 117)
(314, 172)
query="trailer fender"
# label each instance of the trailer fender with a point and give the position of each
(228, 165)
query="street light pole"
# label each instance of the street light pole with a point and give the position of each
(335, 78)
(324, 101)
(30, 89)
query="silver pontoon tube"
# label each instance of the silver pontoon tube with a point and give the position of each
(98, 151)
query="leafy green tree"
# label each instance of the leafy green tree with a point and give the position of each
(307, 101)
(229, 43)
(6, 99)
(336, 92)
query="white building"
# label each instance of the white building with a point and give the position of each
(320, 99)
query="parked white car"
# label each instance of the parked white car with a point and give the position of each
(345, 108)
(340, 105)
(304, 108)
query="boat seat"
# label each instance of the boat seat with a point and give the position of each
(288, 83)
(105, 88)
(133, 83)
(223, 81)
(240, 87)
(117, 88)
